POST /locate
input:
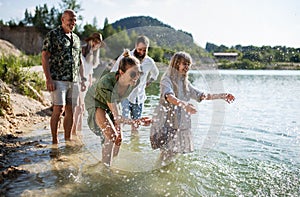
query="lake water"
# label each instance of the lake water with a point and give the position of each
(248, 148)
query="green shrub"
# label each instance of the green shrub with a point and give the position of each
(15, 71)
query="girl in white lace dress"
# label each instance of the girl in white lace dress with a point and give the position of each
(176, 91)
(90, 59)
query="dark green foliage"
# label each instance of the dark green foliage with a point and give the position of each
(164, 40)
(157, 54)
(138, 21)
(116, 43)
(162, 37)
(264, 54)
(244, 64)
(210, 47)
(45, 19)
(295, 58)
(119, 35)
(108, 30)
(88, 30)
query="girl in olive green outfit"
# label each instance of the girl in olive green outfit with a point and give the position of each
(101, 103)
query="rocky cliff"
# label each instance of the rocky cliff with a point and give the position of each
(28, 39)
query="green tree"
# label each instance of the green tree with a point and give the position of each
(12, 23)
(71, 4)
(88, 29)
(108, 30)
(252, 56)
(133, 36)
(156, 53)
(27, 18)
(43, 19)
(116, 43)
(53, 20)
(40, 18)
(295, 58)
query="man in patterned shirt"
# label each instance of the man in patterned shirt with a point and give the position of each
(62, 67)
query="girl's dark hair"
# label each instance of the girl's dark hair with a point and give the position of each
(127, 61)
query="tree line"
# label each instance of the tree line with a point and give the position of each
(117, 37)
(251, 57)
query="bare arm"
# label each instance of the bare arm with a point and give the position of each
(46, 68)
(229, 98)
(81, 69)
(120, 119)
(90, 80)
(153, 75)
(116, 128)
(81, 73)
(188, 107)
(114, 109)
(116, 113)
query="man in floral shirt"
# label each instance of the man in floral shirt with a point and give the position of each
(62, 67)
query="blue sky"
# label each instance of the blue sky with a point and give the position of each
(227, 22)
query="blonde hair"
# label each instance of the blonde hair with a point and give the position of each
(173, 69)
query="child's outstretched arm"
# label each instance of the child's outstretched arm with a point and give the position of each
(229, 98)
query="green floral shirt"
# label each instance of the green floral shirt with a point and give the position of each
(65, 54)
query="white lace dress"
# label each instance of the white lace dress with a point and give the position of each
(183, 140)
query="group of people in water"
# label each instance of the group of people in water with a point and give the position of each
(68, 68)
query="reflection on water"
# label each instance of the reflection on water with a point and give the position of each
(255, 153)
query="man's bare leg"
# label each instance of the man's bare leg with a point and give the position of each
(76, 120)
(68, 122)
(55, 118)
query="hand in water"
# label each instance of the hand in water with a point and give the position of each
(118, 139)
(115, 137)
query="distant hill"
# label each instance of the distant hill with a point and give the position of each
(138, 21)
(162, 34)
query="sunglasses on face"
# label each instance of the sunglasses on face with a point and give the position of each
(133, 74)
